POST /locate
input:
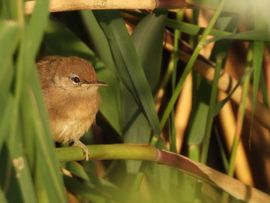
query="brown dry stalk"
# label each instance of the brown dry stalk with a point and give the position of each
(72, 5)
(182, 112)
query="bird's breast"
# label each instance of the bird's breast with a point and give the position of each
(71, 118)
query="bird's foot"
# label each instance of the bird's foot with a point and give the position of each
(78, 143)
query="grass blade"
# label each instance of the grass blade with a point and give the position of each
(148, 41)
(9, 35)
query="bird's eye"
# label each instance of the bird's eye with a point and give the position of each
(75, 79)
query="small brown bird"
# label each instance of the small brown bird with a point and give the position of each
(70, 91)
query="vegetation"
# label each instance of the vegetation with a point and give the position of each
(185, 86)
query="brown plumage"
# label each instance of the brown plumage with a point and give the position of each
(70, 91)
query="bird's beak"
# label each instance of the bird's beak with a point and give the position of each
(100, 83)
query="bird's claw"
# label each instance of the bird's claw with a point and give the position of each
(78, 143)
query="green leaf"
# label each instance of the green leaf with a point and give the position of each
(8, 180)
(138, 132)
(148, 41)
(258, 56)
(98, 39)
(248, 35)
(19, 163)
(7, 115)
(128, 65)
(199, 114)
(110, 106)
(192, 29)
(9, 35)
(77, 169)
